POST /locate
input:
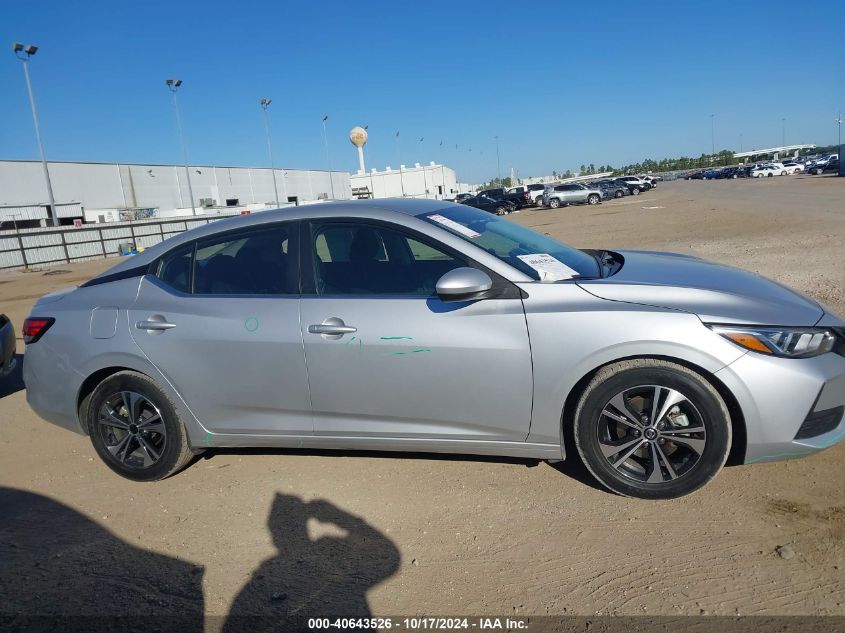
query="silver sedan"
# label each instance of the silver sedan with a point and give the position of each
(418, 325)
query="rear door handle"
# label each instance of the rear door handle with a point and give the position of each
(332, 326)
(332, 329)
(155, 325)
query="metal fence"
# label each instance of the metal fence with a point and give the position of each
(41, 247)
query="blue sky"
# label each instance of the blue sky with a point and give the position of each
(561, 84)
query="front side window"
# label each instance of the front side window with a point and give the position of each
(251, 263)
(364, 259)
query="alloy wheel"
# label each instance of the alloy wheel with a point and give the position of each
(132, 430)
(651, 434)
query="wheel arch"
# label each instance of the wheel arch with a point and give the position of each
(739, 440)
(88, 386)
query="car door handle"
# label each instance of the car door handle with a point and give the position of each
(333, 326)
(155, 325)
(331, 329)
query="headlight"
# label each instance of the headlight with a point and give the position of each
(790, 342)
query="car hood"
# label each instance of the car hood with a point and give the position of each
(715, 292)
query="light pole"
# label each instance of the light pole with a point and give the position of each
(328, 156)
(399, 158)
(265, 103)
(173, 86)
(783, 131)
(23, 53)
(498, 166)
(712, 134)
(839, 126)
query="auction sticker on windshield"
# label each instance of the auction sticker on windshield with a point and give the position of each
(550, 269)
(451, 224)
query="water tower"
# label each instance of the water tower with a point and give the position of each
(358, 137)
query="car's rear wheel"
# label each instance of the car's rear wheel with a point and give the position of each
(635, 191)
(135, 429)
(619, 193)
(652, 429)
(819, 172)
(501, 210)
(593, 199)
(554, 203)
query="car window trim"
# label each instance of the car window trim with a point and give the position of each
(502, 288)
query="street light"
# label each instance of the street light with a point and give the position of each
(173, 86)
(783, 131)
(265, 103)
(839, 125)
(498, 167)
(23, 53)
(712, 133)
(399, 158)
(328, 157)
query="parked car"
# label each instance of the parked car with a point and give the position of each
(463, 196)
(486, 203)
(572, 193)
(793, 168)
(830, 166)
(518, 199)
(431, 326)
(635, 185)
(695, 175)
(650, 180)
(611, 189)
(767, 171)
(536, 192)
(711, 174)
(7, 346)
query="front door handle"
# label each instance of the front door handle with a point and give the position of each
(157, 326)
(332, 326)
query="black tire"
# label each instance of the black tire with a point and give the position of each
(635, 191)
(687, 460)
(619, 193)
(593, 199)
(819, 171)
(539, 202)
(554, 203)
(164, 443)
(501, 210)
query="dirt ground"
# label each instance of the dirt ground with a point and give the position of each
(260, 532)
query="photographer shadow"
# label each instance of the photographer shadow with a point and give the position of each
(324, 577)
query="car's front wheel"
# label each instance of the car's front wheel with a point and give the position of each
(619, 193)
(652, 429)
(135, 429)
(554, 203)
(592, 199)
(635, 191)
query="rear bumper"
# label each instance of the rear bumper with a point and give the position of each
(792, 407)
(51, 386)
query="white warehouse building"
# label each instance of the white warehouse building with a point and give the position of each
(420, 181)
(105, 192)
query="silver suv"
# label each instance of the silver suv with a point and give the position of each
(563, 195)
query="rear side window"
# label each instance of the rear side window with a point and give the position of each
(175, 268)
(252, 263)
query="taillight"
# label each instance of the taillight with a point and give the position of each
(34, 328)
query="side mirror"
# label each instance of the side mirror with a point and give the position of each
(463, 284)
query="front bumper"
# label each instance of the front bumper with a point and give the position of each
(783, 400)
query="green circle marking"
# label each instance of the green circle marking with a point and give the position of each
(251, 324)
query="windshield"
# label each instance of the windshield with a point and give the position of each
(515, 244)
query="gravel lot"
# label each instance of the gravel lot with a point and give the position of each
(269, 532)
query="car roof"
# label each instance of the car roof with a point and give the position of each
(384, 209)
